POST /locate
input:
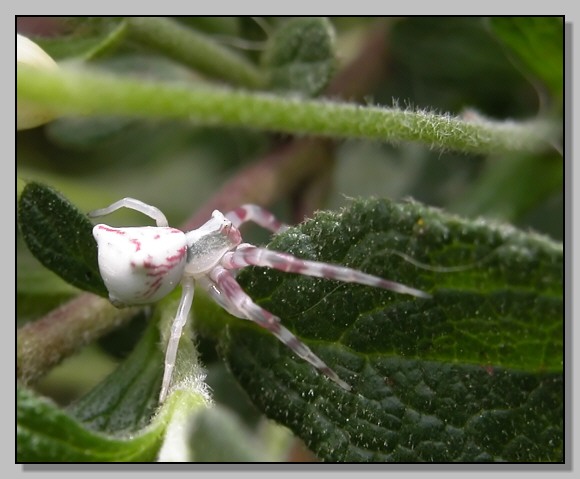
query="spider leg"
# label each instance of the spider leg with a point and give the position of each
(185, 303)
(223, 287)
(256, 214)
(133, 204)
(246, 255)
(219, 297)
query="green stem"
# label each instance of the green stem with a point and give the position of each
(94, 93)
(195, 50)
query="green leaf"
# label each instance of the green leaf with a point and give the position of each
(45, 433)
(301, 56)
(537, 44)
(60, 237)
(127, 398)
(473, 374)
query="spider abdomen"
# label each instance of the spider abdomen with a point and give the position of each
(140, 265)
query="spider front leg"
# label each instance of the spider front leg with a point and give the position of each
(249, 255)
(133, 204)
(229, 294)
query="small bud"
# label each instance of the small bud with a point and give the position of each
(29, 53)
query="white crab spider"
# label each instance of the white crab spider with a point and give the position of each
(141, 265)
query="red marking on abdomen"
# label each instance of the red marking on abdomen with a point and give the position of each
(112, 230)
(137, 243)
(176, 257)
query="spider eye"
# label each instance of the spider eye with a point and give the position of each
(140, 265)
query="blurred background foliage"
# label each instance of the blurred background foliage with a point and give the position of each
(501, 68)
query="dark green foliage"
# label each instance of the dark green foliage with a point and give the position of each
(60, 236)
(45, 433)
(474, 374)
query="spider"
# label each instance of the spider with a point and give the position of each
(140, 265)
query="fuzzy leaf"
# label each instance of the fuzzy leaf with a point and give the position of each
(60, 237)
(473, 374)
(300, 56)
(45, 433)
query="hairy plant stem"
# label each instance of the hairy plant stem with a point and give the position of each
(82, 92)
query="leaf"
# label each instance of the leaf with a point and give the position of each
(537, 44)
(60, 237)
(45, 433)
(300, 56)
(127, 398)
(472, 375)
